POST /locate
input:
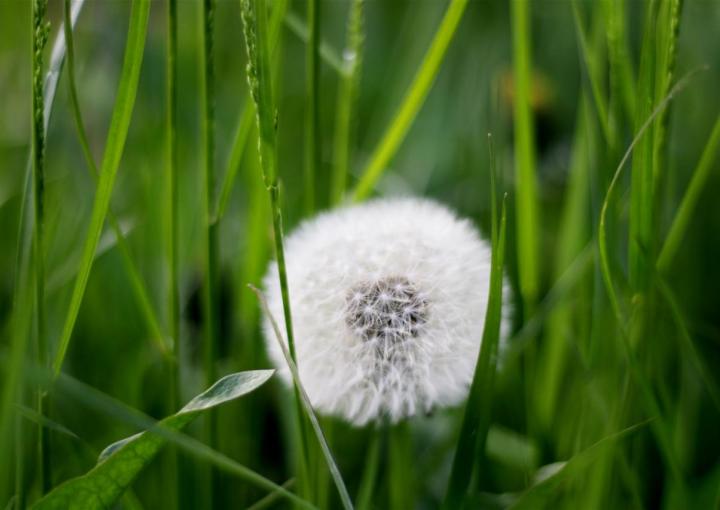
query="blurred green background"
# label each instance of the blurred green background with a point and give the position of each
(444, 156)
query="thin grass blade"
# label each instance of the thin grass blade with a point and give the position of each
(476, 420)
(689, 200)
(413, 101)
(347, 96)
(117, 134)
(305, 400)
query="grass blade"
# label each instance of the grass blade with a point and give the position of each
(370, 472)
(119, 124)
(138, 286)
(121, 462)
(305, 400)
(592, 64)
(572, 237)
(476, 420)
(413, 101)
(602, 230)
(347, 95)
(689, 201)
(536, 496)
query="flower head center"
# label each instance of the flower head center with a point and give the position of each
(389, 310)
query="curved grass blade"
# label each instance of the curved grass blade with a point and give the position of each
(554, 474)
(138, 286)
(305, 400)
(117, 134)
(687, 343)
(689, 201)
(413, 101)
(121, 462)
(476, 420)
(602, 231)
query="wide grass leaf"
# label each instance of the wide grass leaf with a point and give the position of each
(121, 462)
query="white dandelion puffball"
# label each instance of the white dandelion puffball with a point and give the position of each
(388, 304)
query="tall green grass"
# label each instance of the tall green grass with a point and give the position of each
(604, 396)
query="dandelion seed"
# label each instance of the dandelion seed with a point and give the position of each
(388, 301)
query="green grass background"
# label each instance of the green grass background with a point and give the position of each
(574, 374)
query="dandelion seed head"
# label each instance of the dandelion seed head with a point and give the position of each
(388, 301)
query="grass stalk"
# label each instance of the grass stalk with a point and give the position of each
(245, 124)
(642, 176)
(210, 276)
(211, 229)
(347, 95)
(412, 102)
(23, 287)
(526, 201)
(622, 79)
(254, 17)
(175, 467)
(400, 479)
(313, 137)
(40, 32)
(172, 212)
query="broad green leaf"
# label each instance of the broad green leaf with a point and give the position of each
(121, 462)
